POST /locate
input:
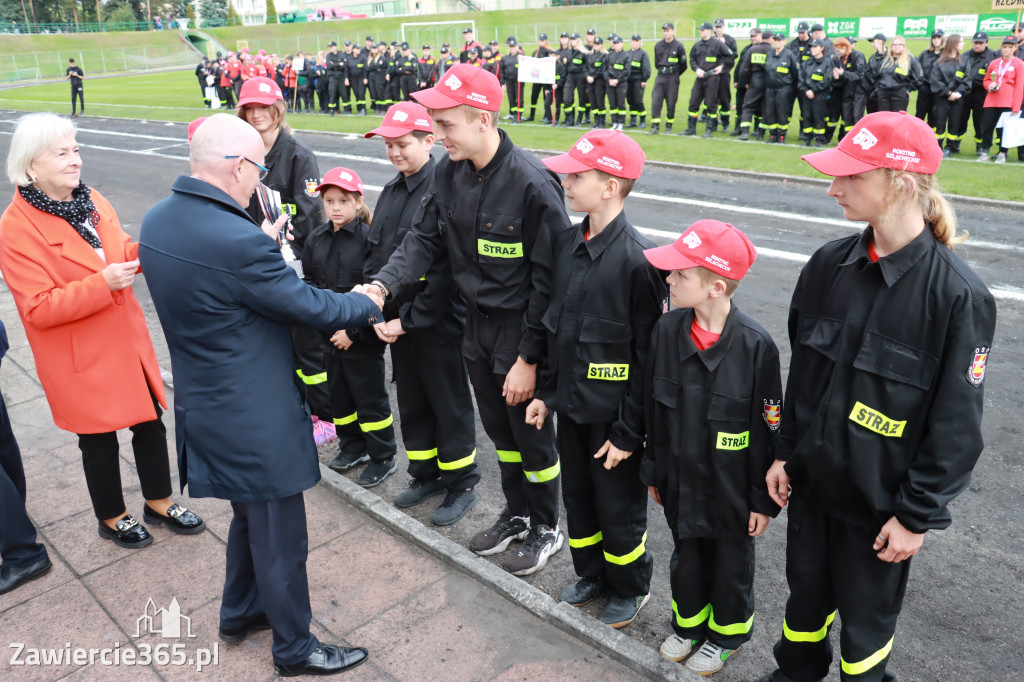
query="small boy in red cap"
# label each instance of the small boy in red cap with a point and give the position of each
(712, 413)
(335, 258)
(605, 299)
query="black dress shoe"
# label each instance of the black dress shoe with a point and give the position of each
(129, 533)
(238, 634)
(12, 577)
(326, 659)
(179, 519)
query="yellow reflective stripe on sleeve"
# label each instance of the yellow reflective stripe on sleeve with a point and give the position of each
(631, 557)
(732, 441)
(421, 455)
(816, 636)
(499, 249)
(341, 421)
(457, 464)
(693, 621)
(312, 379)
(544, 475)
(731, 629)
(377, 426)
(510, 456)
(608, 372)
(586, 542)
(873, 420)
(869, 662)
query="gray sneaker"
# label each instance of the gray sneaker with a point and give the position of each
(418, 491)
(533, 555)
(346, 460)
(454, 507)
(375, 473)
(497, 538)
(620, 611)
(583, 590)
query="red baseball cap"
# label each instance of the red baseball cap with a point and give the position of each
(259, 90)
(194, 126)
(884, 139)
(610, 151)
(403, 118)
(344, 178)
(463, 84)
(712, 244)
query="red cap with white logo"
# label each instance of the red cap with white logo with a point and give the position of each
(712, 244)
(463, 84)
(343, 178)
(259, 90)
(884, 139)
(610, 151)
(403, 118)
(194, 126)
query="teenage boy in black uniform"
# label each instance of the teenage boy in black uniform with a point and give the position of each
(670, 62)
(495, 210)
(605, 300)
(752, 81)
(597, 82)
(424, 331)
(711, 60)
(337, 85)
(782, 71)
(725, 82)
(618, 67)
(357, 80)
(639, 74)
(542, 90)
(407, 65)
(425, 72)
(814, 86)
(712, 414)
(575, 82)
(509, 70)
(75, 75)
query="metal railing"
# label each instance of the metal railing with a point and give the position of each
(45, 65)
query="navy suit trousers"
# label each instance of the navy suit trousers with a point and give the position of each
(18, 546)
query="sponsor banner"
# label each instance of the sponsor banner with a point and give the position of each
(775, 25)
(916, 27)
(737, 27)
(842, 27)
(811, 21)
(997, 25)
(869, 26)
(964, 24)
(534, 70)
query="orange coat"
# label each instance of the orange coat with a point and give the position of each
(91, 345)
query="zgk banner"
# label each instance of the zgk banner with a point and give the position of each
(842, 27)
(534, 70)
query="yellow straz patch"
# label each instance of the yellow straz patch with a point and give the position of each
(872, 420)
(499, 249)
(608, 372)
(733, 441)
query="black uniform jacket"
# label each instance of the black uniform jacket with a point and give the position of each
(948, 77)
(710, 54)
(753, 64)
(509, 68)
(977, 65)
(498, 226)
(816, 76)
(927, 60)
(617, 65)
(855, 69)
(670, 58)
(639, 65)
(712, 418)
(596, 66)
(576, 61)
(782, 70)
(435, 312)
(892, 76)
(337, 65)
(605, 300)
(885, 393)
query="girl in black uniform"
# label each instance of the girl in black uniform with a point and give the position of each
(900, 74)
(949, 85)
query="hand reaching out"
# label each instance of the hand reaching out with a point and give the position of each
(120, 275)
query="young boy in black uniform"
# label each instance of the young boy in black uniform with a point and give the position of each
(495, 210)
(617, 64)
(605, 300)
(424, 331)
(336, 257)
(639, 73)
(75, 75)
(712, 415)
(711, 60)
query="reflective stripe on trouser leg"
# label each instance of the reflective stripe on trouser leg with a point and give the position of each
(311, 365)
(719, 572)
(356, 384)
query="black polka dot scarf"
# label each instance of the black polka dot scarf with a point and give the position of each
(78, 211)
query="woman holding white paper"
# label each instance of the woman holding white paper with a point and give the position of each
(1004, 82)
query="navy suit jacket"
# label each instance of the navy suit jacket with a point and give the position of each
(226, 301)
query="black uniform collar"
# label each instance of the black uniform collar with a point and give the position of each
(186, 184)
(413, 181)
(895, 265)
(283, 138)
(597, 244)
(713, 356)
(505, 147)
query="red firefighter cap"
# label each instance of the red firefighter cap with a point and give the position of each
(610, 151)
(343, 178)
(403, 118)
(884, 139)
(259, 90)
(712, 244)
(463, 84)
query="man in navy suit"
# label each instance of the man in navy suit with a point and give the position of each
(226, 300)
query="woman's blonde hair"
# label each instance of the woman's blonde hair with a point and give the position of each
(903, 61)
(277, 110)
(34, 135)
(924, 190)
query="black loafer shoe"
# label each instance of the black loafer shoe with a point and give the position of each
(583, 591)
(12, 577)
(240, 633)
(129, 533)
(326, 659)
(179, 519)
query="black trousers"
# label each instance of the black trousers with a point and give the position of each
(617, 106)
(724, 94)
(266, 574)
(925, 104)
(753, 102)
(830, 566)
(705, 90)
(436, 408)
(989, 118)
(946, 121)
(359, 95)
(378, 89)
(202, 91)
(542, 92)
(635, 97)
(18, 545)
(854, 101)
(336, 90)
(778, 107)
(360, 404)
(409, 84)
(574, 83)
(597, 93)
(834, 110)
(527, 456)
(606, 510)
(227, 97)
(814, 113)
(394, 93)
(323, 89)
(666, 90)
(712, 583)
(311, 367)
(973, 107)
(236, 85)
(893, 99)
(103, 469)
(77, 92)
(515, 109)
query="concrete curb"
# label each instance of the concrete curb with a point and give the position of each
(615, 644)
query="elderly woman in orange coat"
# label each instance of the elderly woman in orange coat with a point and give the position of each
(70, 267)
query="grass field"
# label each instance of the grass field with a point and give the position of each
(174, 96)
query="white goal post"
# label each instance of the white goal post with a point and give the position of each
(435, 33)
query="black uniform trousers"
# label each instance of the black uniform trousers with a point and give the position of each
(394, 93)
(778, 107)
(227, 97)
(436, 410)
(77, 92)
(666, 90)
(946, 121)
(724, 97)
(597, 93)
(989, 118)
(814, 116)
(753, 101)
(515, 107)
(202, 91)
(336, 90)
(543, 92)
(527, 457)
(831, 565)
(854, 101)
(574, 83)
(705, 90)
(617, 102)
(359, 402)
(834, 111)
(893, 99)
(378, 87)
(712, 583)
(635, 97)
(409, 84)
(973, 107)
(359, 94)
(311, 366)
(266, 574)
(925, 104)
(236, 85)
(606, 510)
(18, 545)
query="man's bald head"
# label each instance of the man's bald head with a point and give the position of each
(223, 135)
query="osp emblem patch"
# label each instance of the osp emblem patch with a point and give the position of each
(976, 372)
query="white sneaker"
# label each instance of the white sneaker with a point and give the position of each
(709, 659)
(676, 648)
(983, 157)
(1000, 158)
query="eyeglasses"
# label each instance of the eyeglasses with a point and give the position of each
(263, 169)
